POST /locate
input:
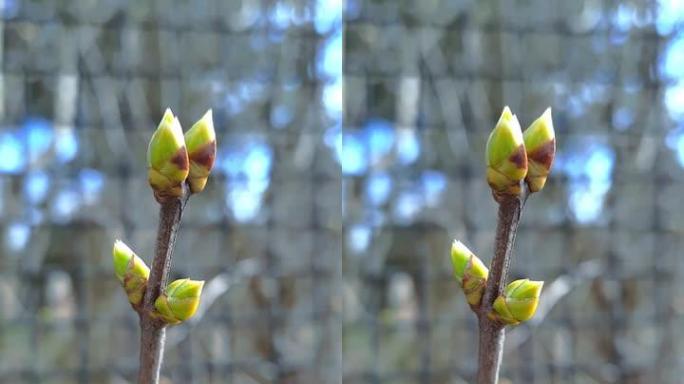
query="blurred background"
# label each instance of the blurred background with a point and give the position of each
(424, 83)
(83, 85)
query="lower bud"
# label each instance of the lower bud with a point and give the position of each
(131, 271)
(469, 271)
(180, 300)
(518, 302)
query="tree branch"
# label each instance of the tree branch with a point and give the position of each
(153, 330)
(492, 333)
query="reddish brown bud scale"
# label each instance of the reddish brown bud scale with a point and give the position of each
(180, 159)
(519, 157)
(545, 154)
(205, 155)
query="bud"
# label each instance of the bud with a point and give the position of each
(179, 301)
(131, 271)
(506, 157)
(167, 159)
(470, 272)
(201, 143)
(518, 302)
(540, 144)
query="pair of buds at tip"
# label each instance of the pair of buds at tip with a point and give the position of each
(174, 158)
(514, 156)
(131, 271)
(518, 303)
(179, 301)
(470, 272)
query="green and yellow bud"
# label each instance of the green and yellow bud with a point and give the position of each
(506, 156)
(540, 144)
(518, 302)
(179, 301)
(167, 159)
(201, 143)
(470, 272)
(131, 271)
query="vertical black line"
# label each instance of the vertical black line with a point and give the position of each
(35, 373)
(227, 372)
(82, 324)
(661, 273)
(423, 324)
(617, 315)
(274, 304)
(313, 225)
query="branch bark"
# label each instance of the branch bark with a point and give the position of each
(153, 330)
(492, 333)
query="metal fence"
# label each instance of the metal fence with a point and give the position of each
(424, 84)
(82, 87)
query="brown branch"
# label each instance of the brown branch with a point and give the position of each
(492, 333)
(153, 331)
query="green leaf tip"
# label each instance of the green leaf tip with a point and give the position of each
(131, 271)
(506, 156)
(518, 303)
(179, 301)
(469, 271)
(201, 144)
(540, 144)
(167, 158)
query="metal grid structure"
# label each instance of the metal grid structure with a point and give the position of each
(424, 83)
(83, 85)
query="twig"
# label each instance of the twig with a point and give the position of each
(492, 332)
(153, 330)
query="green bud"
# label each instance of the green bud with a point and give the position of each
(179, 301)
(506, 157)
(470, 272)
(167, 159)
(201, 143)
(540, 144)
(131, 271)
(518, 302)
